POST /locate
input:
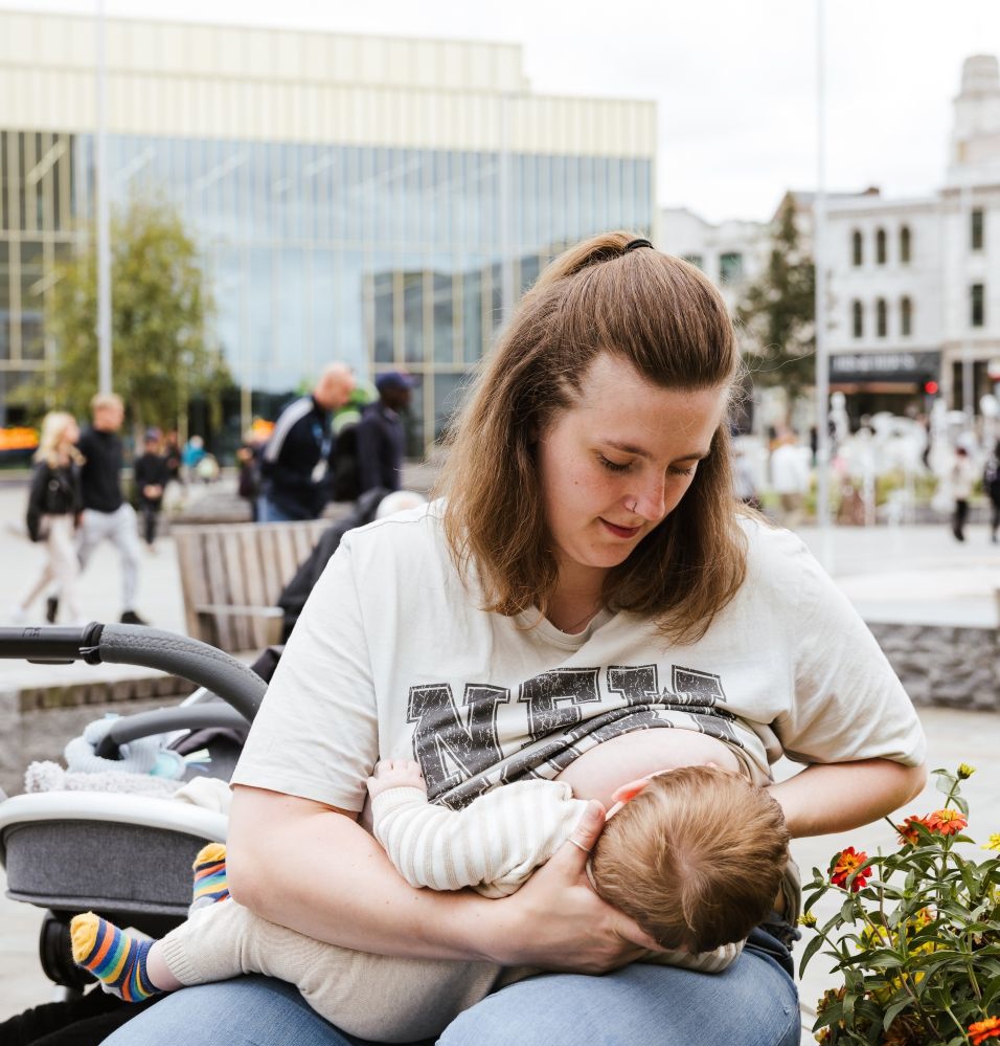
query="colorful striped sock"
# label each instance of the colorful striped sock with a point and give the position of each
(112, 956)
(210, 884)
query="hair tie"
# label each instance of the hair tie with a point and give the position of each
(632, 244)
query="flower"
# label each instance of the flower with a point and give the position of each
(994, 842)
(808, 919)
(983, 1030)
(847, 862)
(947, 822)
(965, 771)
(908, 832)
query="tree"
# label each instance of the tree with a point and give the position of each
(161, 355)
(778, 311)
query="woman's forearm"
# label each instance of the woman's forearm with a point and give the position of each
(315, 870)
(304, 866)
(835, 797)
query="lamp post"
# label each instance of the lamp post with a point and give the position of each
(103, 221)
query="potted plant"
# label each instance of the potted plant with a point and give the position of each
(915, 942)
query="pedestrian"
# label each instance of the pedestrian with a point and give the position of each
(294, 462)
(107, 516)
(744, 480)
(587, 583)
(54, 505)
(790, 477)
(248, 456)
(961, 479)
(152, 474)
(381, 438)
(991, 487)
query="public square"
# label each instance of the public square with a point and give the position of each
(905, 574)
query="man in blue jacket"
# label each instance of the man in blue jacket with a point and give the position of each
(293, 464)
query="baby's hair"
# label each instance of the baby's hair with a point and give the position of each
(696, 859)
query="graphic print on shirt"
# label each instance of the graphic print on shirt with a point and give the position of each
(567, 712)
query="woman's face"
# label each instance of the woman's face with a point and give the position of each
(70, 434)
(616, 464)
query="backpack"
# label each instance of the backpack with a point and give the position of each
(344, 471)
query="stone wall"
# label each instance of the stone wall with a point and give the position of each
(945, 665)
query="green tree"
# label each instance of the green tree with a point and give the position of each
(778, 312)
(160, 310)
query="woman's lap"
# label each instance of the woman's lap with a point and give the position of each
(753, 1003)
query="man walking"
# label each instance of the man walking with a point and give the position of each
(381, 438)
(107, 516)
(295, 457)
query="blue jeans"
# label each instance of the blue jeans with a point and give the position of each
(269, 512)
(753, 1003)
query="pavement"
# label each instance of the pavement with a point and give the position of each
(902, 573)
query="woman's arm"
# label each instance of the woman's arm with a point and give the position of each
(314, 869)
(835, 797)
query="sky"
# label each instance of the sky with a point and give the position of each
(735, 81)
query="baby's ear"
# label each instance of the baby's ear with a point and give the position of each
(630, 790)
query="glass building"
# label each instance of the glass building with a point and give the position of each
(374, 200)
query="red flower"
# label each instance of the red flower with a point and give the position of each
(908, 832)
(983, 1030)
(947, 822)
(847, 862)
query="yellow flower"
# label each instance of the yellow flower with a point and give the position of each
(994, 843)
(965, 771)
(807, 919)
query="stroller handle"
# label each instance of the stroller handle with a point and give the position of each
(198, 662)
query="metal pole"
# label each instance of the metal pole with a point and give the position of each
(819, 262)
(103, 220)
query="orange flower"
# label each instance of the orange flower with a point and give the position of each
(947, 822)
(844, 864)
(908, 832)
(983, 1030)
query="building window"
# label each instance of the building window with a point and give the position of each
(694, 259)
(730, 267)
(880, 247)
(857, 319)
(977, 302)
(976, 229)
(881, 318)
(857, 248)
(904, 245)
(905, 317)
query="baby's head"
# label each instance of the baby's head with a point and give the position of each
(695, 858)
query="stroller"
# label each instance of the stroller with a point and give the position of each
(55, 845)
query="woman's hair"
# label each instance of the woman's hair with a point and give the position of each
(696, 858)
(54, 426)
(666, 319)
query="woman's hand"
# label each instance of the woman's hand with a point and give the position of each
(557, 921)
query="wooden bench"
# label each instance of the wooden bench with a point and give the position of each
(232, 575)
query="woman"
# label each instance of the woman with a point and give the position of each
(54, 505)
(588, 578)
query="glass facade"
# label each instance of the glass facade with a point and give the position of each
(383, 257)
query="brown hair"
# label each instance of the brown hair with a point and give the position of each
(665, 318)
(696, 858)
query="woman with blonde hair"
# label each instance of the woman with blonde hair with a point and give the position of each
(54, 505)
(586, 598)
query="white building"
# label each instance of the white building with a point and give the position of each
(914, 285)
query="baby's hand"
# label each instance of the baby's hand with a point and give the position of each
(395, 773)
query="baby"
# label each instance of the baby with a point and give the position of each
(695, 855)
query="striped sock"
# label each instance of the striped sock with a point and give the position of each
(112, 956)
(210, 884)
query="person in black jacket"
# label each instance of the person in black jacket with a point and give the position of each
(991, 488)
(107, 516)
(152, 473)
(293, 465)
(380, 434)
(54, 505)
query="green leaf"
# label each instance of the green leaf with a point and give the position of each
(810, 950)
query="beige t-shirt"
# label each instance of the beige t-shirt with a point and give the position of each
(392, 658)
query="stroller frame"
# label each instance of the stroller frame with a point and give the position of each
(62, 851)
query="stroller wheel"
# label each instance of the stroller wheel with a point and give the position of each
(55, 952)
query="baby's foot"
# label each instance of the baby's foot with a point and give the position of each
(395, 773)
(115, 957)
